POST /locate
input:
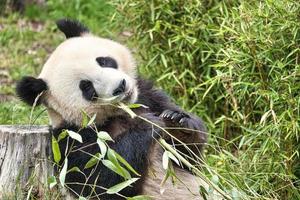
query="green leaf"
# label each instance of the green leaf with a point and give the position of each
(52, 182)
(75, 136)
(137, 105)
(203, 192)
(55, 150)
(63, 173)
(92, 119)
(164, 61)
(165, 160)
(103, 147)
(127, 165)
(93, 161)
(82, 198)
(62, 135)
(111, 155)
(74, 169)
(127, 109)
(117, 188)
(167, 175)
(110, 165)
(104, 136)
(117, 169)
(140, 197)
(84, 121)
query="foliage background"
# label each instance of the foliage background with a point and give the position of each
(234, 63)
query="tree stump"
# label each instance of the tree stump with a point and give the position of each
(24, 153)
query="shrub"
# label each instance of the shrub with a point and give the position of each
(236, 64)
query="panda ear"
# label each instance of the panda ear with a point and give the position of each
(71, 28)
(29, 88)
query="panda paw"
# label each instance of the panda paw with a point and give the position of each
(176, 117)
(181, 119)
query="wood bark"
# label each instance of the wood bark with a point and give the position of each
(24, 155)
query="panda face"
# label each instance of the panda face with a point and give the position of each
(88, 73)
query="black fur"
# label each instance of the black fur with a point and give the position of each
(71, 28)
(133, 145)
(107, 62)
(155, 99)
(28, 88)
(88, 90)
(120, 89)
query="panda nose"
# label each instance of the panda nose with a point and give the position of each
(120, 89)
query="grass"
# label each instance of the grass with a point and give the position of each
(234, 63)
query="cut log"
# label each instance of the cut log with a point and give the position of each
(24, 154)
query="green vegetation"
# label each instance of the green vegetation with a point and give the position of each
(234, 63)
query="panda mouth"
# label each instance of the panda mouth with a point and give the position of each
(89, 93)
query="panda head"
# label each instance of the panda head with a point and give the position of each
(84, 73)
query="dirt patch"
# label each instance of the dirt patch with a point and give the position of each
(33, 25)
(6, 98)
(5, 78)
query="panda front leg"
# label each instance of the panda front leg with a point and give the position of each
(187, 128)
(134, 145)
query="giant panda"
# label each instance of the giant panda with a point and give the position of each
(90, 73)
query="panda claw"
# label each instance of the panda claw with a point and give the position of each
(181, 121)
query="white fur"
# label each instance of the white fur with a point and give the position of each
(75, 60)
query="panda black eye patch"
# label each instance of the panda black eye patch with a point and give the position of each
(107, 62)
(88, 90)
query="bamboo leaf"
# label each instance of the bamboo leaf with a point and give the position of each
(127, 109)
(111, 155)
(140, 197)
(84, 120)
(63, 173)
(127, 165)
(116, 169)
(165, 160)
(104, 136)
(102, 147)
(62, 135)
(75, 136)
(74, 169)
(92, 120)
(93, 161)
(117, 188)
(52, 181)
(55, 150)
(203, 192)
(137, 105)
(170, 155)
